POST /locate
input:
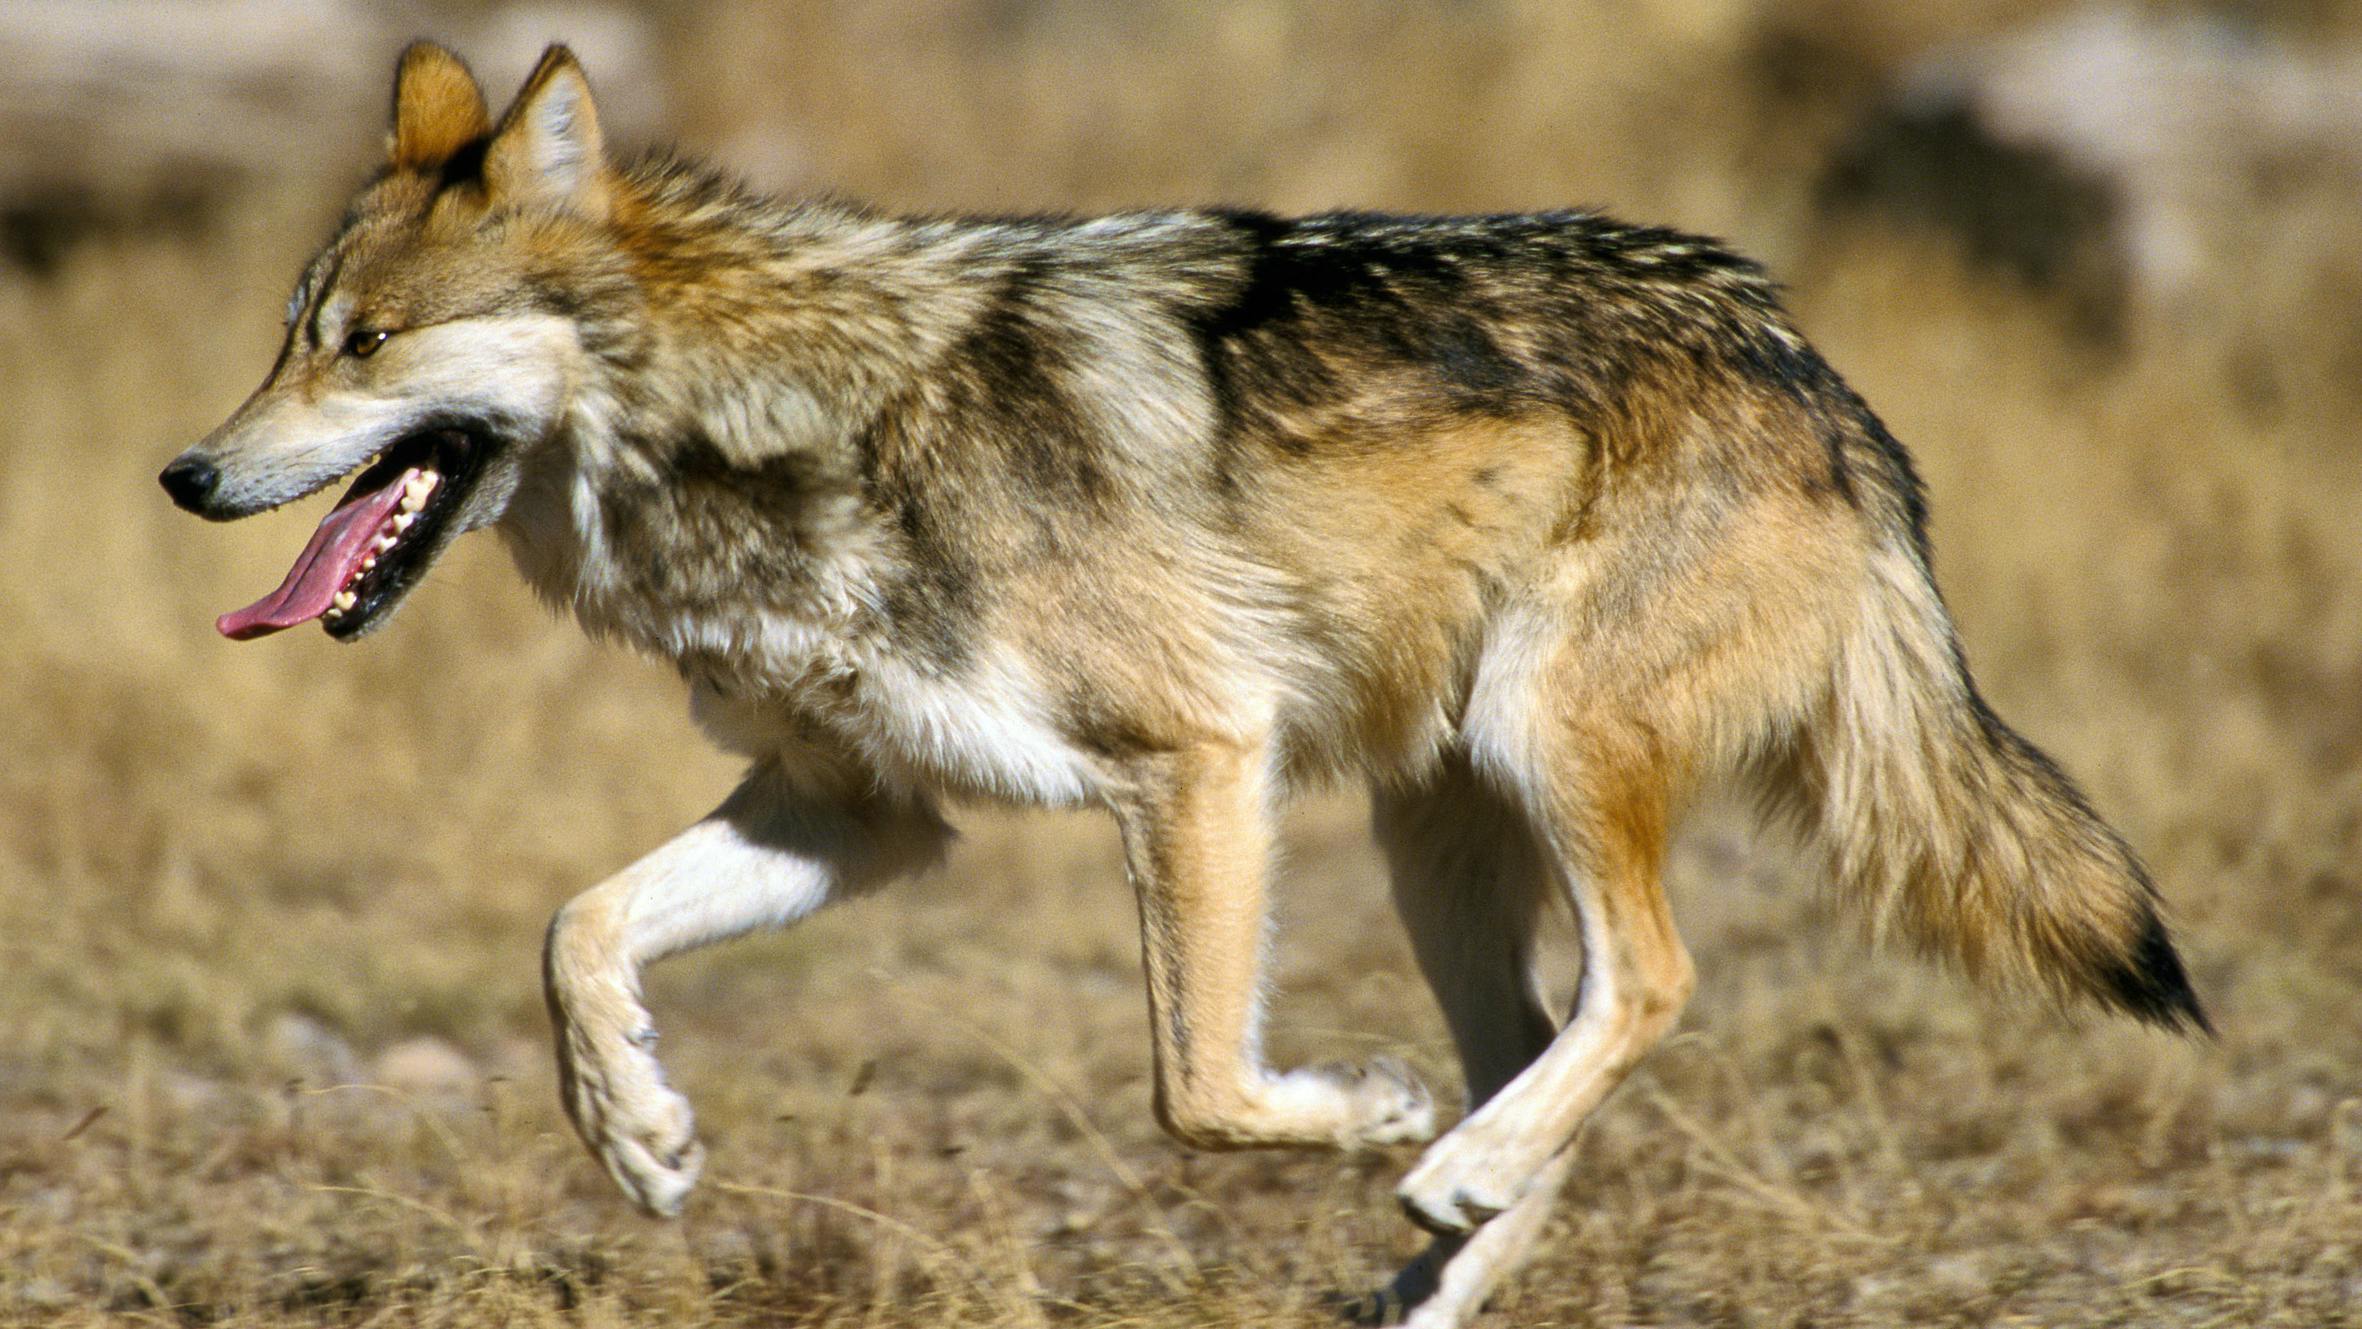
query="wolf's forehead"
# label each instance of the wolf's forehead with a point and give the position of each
(398, 198)
(357, 255)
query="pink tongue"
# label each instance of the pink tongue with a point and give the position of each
(321, 570)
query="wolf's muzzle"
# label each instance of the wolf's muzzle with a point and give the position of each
(191, 482)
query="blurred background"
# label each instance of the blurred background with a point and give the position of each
(270, 913)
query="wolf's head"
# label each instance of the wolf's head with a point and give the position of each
(431, 346)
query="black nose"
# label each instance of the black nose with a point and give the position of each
(190, 481)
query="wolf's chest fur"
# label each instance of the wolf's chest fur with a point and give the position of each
(782, 628)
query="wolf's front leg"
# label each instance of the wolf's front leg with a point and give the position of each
(776, 850)
(1197, 837)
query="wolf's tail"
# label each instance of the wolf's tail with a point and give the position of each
(1948, 827)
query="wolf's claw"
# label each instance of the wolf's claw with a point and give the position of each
(658, 1181)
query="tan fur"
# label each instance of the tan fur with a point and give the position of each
(1540, 524)
(438, 109)
(1197, 837)
(548, 150)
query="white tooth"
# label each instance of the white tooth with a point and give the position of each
(382, 543)
(368, 562)
(402, 521)
(346, 600)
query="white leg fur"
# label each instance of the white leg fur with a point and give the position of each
(1448, 1285)
(1495, 1158)
(1636, 976)
(771, 854)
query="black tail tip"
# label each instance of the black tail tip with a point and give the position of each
(2148, 983)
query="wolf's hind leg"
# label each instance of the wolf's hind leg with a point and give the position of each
(1197, 839)
(1599, 792)
(772, 853)
(1471, 888)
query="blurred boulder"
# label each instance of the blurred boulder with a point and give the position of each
(310, 1050)
(154, 115)
(424, 1065)
(2110, 154)
(2022, 208)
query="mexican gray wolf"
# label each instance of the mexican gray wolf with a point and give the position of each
(1538, 524)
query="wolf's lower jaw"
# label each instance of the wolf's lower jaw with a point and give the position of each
(418, 483)
(374, 543)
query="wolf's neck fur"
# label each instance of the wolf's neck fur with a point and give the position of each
(716, 461)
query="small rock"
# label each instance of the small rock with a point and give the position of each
(46, 1294)
(312, 1049)
(184, 1092)
(424, 1065)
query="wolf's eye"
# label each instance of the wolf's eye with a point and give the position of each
(364, 342)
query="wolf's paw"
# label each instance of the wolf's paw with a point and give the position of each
(1401, 1298)
(641, 1130)
(655, 1158)
(1464, 1179)
(1397, 1107)
(1371, 1310)
(1370, 1104)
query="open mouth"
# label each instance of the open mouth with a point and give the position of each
(375, 543)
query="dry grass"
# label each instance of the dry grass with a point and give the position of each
(254, 898)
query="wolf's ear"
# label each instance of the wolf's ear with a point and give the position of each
(438, 109)
(548, 149)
